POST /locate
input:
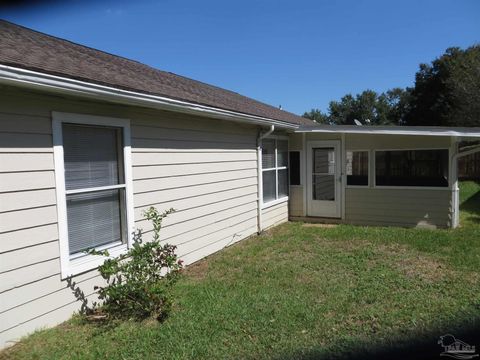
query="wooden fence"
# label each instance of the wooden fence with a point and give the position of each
(469, 167)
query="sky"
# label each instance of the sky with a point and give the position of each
(298, 54)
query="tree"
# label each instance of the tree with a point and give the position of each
(318, 116)
(398, 101)
(368, 107)
(447, 91)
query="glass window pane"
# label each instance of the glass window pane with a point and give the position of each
(294, 168)
(357, 168)
(282, 183)
(269, 186)
(323, 187)
(282, 153)
(94, 219)
(91, 156)
(324, 160)
(412, 168)
(268, 153)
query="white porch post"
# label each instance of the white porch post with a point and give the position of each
(454, 182)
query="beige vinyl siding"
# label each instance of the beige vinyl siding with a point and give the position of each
(411, 207)
(204, 168)
(274, 215)
(400, 207)
(295, 202)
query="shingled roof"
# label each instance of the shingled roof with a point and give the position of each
(28, 49)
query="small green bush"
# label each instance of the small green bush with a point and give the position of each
(139, 281)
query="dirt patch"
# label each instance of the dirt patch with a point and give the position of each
(319, 225)
(349, 245)
(414, 265)
(198, 270)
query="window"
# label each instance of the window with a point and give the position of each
(357, 168)
(274, 169)
(294, 167)
(92, 166)
(412, 168)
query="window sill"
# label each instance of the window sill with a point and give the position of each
(274, 202)
(86, 263)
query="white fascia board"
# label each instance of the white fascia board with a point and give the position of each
(393, 130)
(41, 81)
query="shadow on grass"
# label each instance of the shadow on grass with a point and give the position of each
(472, 206)
(425, 346)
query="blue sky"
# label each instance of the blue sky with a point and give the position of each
(300, 54)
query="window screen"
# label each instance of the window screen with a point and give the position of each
(294, 169)
(268, 154)
(357, 168)
(412, 168)
(95, 186)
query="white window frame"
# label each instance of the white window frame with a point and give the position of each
(368, 174)
(278, 200)
(437, 188)
(72, 264)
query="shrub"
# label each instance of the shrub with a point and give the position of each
(138, 283)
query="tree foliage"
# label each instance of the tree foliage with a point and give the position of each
(317, 115)
(446, 93)
(368, 107)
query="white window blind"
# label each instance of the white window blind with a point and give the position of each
(95, 186)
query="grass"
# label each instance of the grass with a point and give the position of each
(302, 292)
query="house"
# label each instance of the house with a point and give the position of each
(89, 140)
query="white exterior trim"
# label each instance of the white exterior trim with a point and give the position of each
(304, 173)
(392, 130)
(71, 265)
(32, 79)
(274, 202)
(343, 176)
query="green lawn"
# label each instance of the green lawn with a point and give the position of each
(302, 292)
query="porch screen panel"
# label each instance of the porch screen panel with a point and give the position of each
(294, 168)
(323, 177)
(357, 168)
(412, 168)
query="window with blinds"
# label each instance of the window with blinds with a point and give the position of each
(274, 169)
(94, 187)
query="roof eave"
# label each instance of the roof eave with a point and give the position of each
(14, 76)
(393, 130)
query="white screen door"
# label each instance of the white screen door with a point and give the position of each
(324, 179)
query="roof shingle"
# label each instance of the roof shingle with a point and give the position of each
(29, 49)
